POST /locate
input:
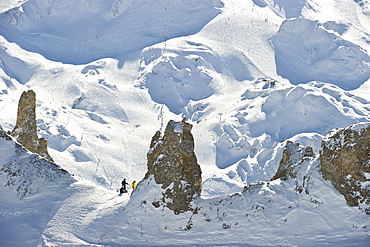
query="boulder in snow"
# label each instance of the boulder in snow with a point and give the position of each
(345, 161)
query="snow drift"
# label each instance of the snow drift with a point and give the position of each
(306, 51)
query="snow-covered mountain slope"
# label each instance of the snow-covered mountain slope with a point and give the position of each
(269, 213)
(248, 75)
(96, 29)
(32, 190)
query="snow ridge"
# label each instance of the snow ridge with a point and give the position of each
(38, 189)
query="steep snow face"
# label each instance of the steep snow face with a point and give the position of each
(6, 5)
(306, 51)
(13, 65)
(249, 137)
(286, 8)
(34, 188)
(177, 72)
(97, 29)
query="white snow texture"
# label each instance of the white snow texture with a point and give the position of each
(248, 75)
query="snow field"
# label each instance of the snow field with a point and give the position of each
(249, 75)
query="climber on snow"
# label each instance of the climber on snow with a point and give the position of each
(123, 188)
(133, 185)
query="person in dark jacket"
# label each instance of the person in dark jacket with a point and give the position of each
(124, 183)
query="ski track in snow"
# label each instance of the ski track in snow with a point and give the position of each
(85, 205)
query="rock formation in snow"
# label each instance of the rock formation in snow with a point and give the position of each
(345, 161)
(25, 130)
(28, 173)
(293, 155)
(295, 164)
(173, 164)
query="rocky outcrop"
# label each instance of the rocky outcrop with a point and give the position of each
(293, 156)
(25, 130)
(294, 164)
(173, 164)
(345, 161)
(27, 172)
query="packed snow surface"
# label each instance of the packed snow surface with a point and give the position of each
(248, 75)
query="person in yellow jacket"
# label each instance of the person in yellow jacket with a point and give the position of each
(133, 185)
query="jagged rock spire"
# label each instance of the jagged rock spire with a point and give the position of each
(173, 164)
(25, 130)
